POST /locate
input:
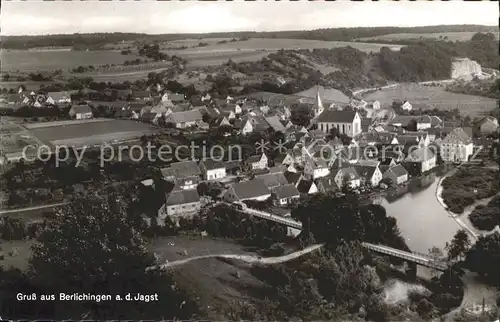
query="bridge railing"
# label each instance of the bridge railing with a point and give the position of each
(279, 219)
(423, 259)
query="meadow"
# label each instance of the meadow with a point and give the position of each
(212, 54)
(452, 36)
(89, 132)
(429, 97)
(50, 60)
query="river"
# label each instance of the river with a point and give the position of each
(422, 220)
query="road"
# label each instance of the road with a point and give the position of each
(11, 211)
(245, 258)
(361, 91)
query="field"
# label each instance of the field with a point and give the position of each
(212, 54)
(13, 138)
(30, 61)
(213, 281)
(427, 97)
(89, 132)
(20, 260)
(453, 36)
(140, 72)
(256, 48)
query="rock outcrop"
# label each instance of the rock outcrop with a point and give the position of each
(464, 68)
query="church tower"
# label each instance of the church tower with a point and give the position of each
(318, 109)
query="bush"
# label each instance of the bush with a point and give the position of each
(486, 217)
(467, 185)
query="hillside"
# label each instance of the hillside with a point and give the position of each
(450, 36)
(331, 34)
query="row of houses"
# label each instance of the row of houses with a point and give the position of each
(315, 163)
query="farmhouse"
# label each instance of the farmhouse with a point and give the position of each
(185, 119)
(212, 169)
(286, 194)
(80, 112)
(56, 98)
(456, 146)
(346, 122)
(247, 190)
(182, 202)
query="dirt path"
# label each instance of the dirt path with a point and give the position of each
(11, 211)
(245, 258)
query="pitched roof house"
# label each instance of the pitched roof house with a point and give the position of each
(331, 182)
(421, 160)
(307, 187)
(212, 169)
(275, 124)
(182, 202)
(80, 112)
(185, 119)
(55, 98)
(272, 180)
(487, 125)
(247, 190)
(286, 194)
(294, 177)
(397, 174)
(181, 170)
(369, 175)
(257, 162)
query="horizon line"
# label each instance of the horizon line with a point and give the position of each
(236, 31)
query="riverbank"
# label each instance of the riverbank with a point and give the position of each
(462, 219)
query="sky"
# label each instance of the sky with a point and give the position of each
(153, 17)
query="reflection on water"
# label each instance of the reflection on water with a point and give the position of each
(421, 219)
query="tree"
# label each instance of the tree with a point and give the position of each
(435, 252)
(301, 115)
(484, 258)
(333, 220)
(458, 246)
(95, 246)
